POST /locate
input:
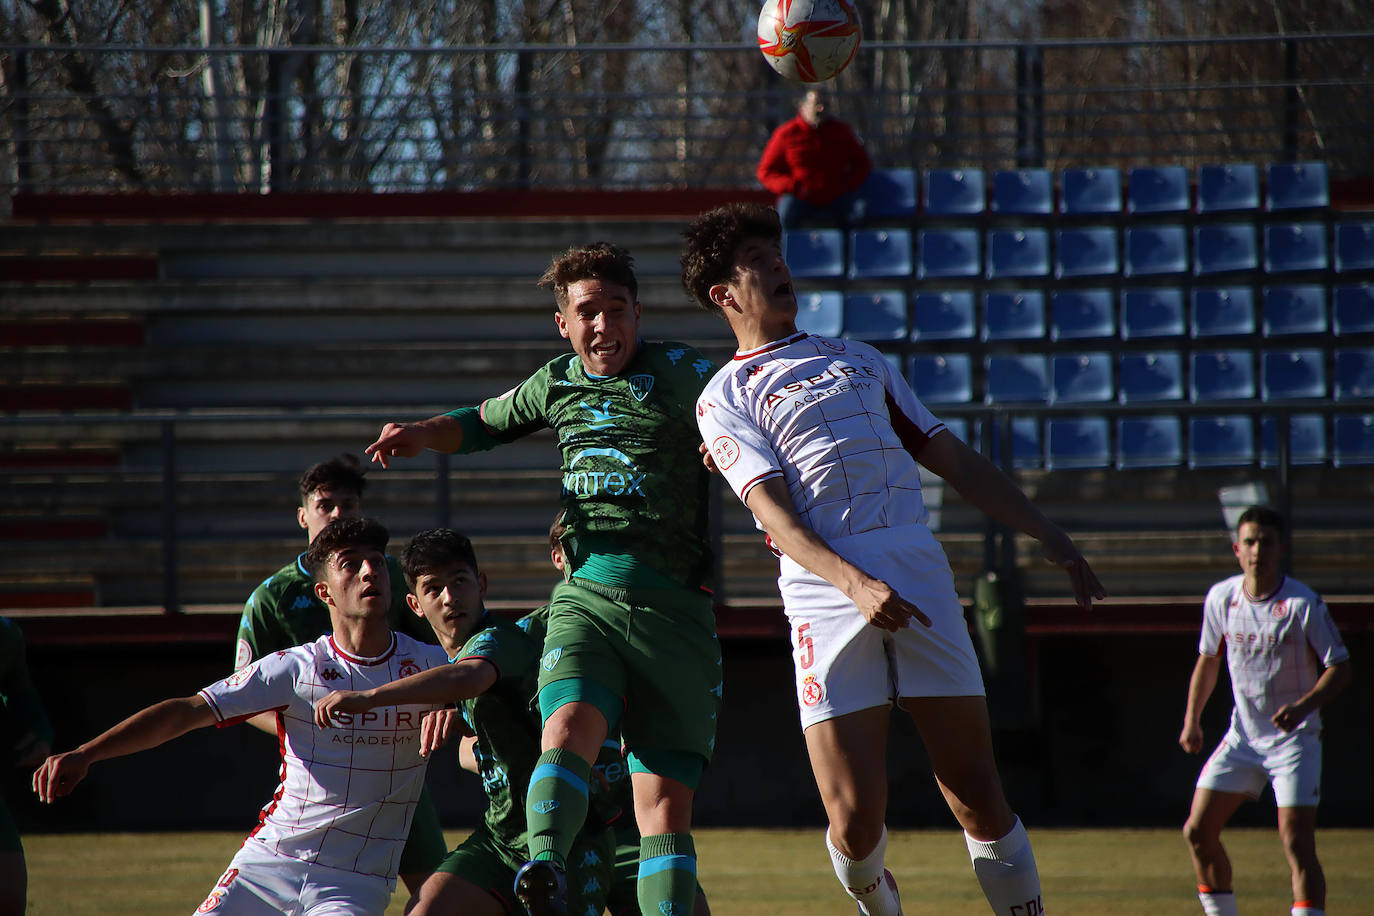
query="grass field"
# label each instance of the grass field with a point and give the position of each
(765, 872)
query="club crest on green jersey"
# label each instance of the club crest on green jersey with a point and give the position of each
(641, 385)
(551, 658)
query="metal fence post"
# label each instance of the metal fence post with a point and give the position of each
(443, 512)
(1030, 107)
(171, 600)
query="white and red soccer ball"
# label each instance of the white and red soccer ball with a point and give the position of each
(809, 40)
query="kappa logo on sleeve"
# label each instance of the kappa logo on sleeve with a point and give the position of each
(726, 452)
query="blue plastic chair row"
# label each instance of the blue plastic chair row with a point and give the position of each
(1086, 314)
(1090, 251)
(1158, 441)
(1133, 378)
(1163, 189)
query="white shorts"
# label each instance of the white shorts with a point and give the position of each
(259, 882)
(1293, 766)
(844, 664)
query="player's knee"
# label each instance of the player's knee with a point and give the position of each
(1196, 835)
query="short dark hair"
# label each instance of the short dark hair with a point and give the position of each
(341, 534)
(1263, 516)
(340, 472)
(597, 261)
(557, 530)
(433, 550)
(708, 255)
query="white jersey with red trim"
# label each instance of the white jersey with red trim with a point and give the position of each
(833, 419)
(1276, 649)
(347, 793)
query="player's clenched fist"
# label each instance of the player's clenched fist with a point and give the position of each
(59, 775)
(339, 701)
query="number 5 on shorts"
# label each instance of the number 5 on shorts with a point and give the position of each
(806, 651)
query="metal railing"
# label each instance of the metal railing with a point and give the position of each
(84, 118)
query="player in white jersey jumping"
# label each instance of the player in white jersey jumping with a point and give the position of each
(1286, 661)
(330, 840)
(821, 438)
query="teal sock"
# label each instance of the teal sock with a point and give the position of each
(556, 804)
(667, 873)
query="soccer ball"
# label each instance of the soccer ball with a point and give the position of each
(808, 40)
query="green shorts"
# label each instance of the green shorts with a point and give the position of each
(491, 864)
(657, 648)
(425, 844)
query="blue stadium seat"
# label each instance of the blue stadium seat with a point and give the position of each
(1013, 315)
(948, 253)
(1221, 441)
(876, 253)
(1078, 442)
(821, 313)
(1224, 247)
(1154, 250)
(1228, 187)
(1018, 253)
(1220, 311)
(1152, 312)
(1352, 439)
(1087, 252)
(945, 315)
(1354, 374)
(890, 193)
(1149, 442)
(1078, 314)
(1024, 191)
(1081, 378)
(1288, 374)
(1297, 186)
(1353, 309)
(1150, 377)
(1157, 189)
(1016, 378)
(875, 315)
(1222, 375)
(942, 379)
(814, 253)
(1306, 440)
(1090, 191)
(955, 192)
(1294, 246)
(1354, 246)
(1294, 310)
(1026, 450)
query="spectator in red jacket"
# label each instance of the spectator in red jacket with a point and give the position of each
(816, 166)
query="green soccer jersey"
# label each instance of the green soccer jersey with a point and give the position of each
(634, 488)
(283, 612)
(505, 722)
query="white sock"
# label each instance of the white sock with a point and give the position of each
(1307, 911)
(866, 880)
(1006, 871)
(1218, 903)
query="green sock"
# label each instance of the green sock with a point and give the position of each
(667, 874)
(556, 804)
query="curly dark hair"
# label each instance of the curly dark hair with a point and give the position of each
(342, 472)
(1263, 516)
(708, 255)
(597, 261)
(341, 534)
(433, 550)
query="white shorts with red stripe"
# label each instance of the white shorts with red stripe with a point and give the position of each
(259, 882)
(844, 664)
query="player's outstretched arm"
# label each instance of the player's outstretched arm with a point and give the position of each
(984, 485)
(145, 729)
(406, 440)
(437, 686)
(1332, 681)
(1200, 687)
(875, 599)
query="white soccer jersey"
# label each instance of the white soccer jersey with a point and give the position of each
(347, 793)
(1276, 649)
(831, 418)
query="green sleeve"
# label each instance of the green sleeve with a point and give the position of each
(258, 629)
(516, 413)
(508, 648)
(17, 692)
(476, 436)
